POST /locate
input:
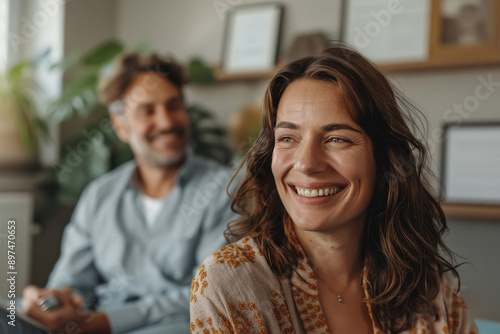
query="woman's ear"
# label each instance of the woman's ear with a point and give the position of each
(118, 121)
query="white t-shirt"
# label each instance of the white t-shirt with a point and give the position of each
(152, 208)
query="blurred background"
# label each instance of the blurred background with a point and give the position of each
(55, 137)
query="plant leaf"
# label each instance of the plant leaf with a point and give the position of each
(16, 73)
(141, 48)
(199, 72)
(40, 57)
(79, 105)
(62, 109)
(24, 115)
(86, 165)
(67, 62)
(103, 53)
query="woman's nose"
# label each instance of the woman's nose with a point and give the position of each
(310, 158)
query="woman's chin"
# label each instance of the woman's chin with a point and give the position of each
(312, 225)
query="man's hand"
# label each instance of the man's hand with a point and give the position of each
(68, 317)
(32, 293)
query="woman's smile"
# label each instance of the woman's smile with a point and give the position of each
(317, 195)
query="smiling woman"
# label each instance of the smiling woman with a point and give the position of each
(340, 231)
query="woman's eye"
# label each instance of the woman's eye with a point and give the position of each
(337, 140)
(285, 140)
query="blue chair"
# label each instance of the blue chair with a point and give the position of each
(487, 326)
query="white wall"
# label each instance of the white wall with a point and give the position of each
(191, 28)
(477, 243)
(188, 28)
(87, 23)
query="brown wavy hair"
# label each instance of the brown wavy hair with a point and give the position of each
(405, 223)
(128, 66)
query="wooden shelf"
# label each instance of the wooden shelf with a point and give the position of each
(223, 76)
(435, 63)
(452, 63)
(473, 211)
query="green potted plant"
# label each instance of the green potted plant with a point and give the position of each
(93, 149)
(21, 123)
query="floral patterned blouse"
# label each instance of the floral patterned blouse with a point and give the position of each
(235, 291)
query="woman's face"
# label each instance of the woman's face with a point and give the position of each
(323, 162)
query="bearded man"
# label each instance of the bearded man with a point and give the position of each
(138, 233)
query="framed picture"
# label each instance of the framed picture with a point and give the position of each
(466, 22)
(466, 31)
(470, 164)
(252, 38)
(388, 32)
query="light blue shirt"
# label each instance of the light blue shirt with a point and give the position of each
(140, 275)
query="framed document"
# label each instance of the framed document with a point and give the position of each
(252, 38)
(470, 165)
(388, 31)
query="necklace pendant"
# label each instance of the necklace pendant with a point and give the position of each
(340, 298)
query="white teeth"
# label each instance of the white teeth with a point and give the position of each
(317, 192)
(334, 190)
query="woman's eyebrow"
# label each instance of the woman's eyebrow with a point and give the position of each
(338, 126)
(325, 128)
(287, 125)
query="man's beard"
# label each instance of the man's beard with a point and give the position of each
(155, 159)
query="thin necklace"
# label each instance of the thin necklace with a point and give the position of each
(339, 294)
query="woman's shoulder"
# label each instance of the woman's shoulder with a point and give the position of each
(448, 286)
(449, 296)
(452, 313)
(242, 255)
(238, 258)
(240, 264)
(235, 291)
